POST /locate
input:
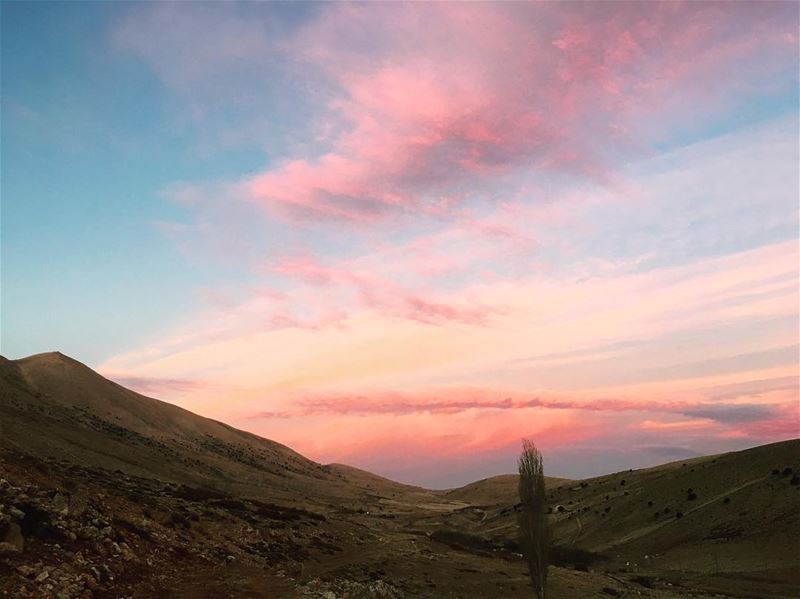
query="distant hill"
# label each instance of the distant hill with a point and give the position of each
(495, 490)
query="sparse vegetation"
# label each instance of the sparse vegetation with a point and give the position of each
(211, 529)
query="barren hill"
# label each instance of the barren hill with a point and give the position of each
(495, 490)
(54, 406)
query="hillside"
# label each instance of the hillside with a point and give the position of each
(53, 406)
(108, 493)
(495, 490)
(730, 514)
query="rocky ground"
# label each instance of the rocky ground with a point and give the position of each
(88, 533)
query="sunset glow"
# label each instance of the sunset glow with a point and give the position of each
(404, 236)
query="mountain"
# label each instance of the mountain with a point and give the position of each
(54, 406)
(108, 493)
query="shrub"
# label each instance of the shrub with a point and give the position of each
(461, 540)
(691, 496)
(726, 500)
(572, 557)
(644, 581)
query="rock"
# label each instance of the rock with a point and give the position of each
(13, 536)
(43, 575)
(90, 581)
(61, 504)
(26, 571)
(328, 595)
(8, 549)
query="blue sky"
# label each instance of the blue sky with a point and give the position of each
(225, 204)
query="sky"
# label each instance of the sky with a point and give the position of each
(405, 236)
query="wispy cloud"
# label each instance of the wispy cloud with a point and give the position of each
(158, 385)
(394, 404)
(477, 221)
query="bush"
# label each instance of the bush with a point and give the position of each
(726, 500)
(461, 540)
(572, 557)
(691, 496)
(644, 581)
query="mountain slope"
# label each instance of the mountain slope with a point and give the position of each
(730, 513)
(54, 406)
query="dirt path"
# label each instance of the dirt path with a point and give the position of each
(640, 532)
(579, 526)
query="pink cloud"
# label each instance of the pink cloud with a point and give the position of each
(441, 136)
(360, 284)
(455, 401)
(430, 112)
